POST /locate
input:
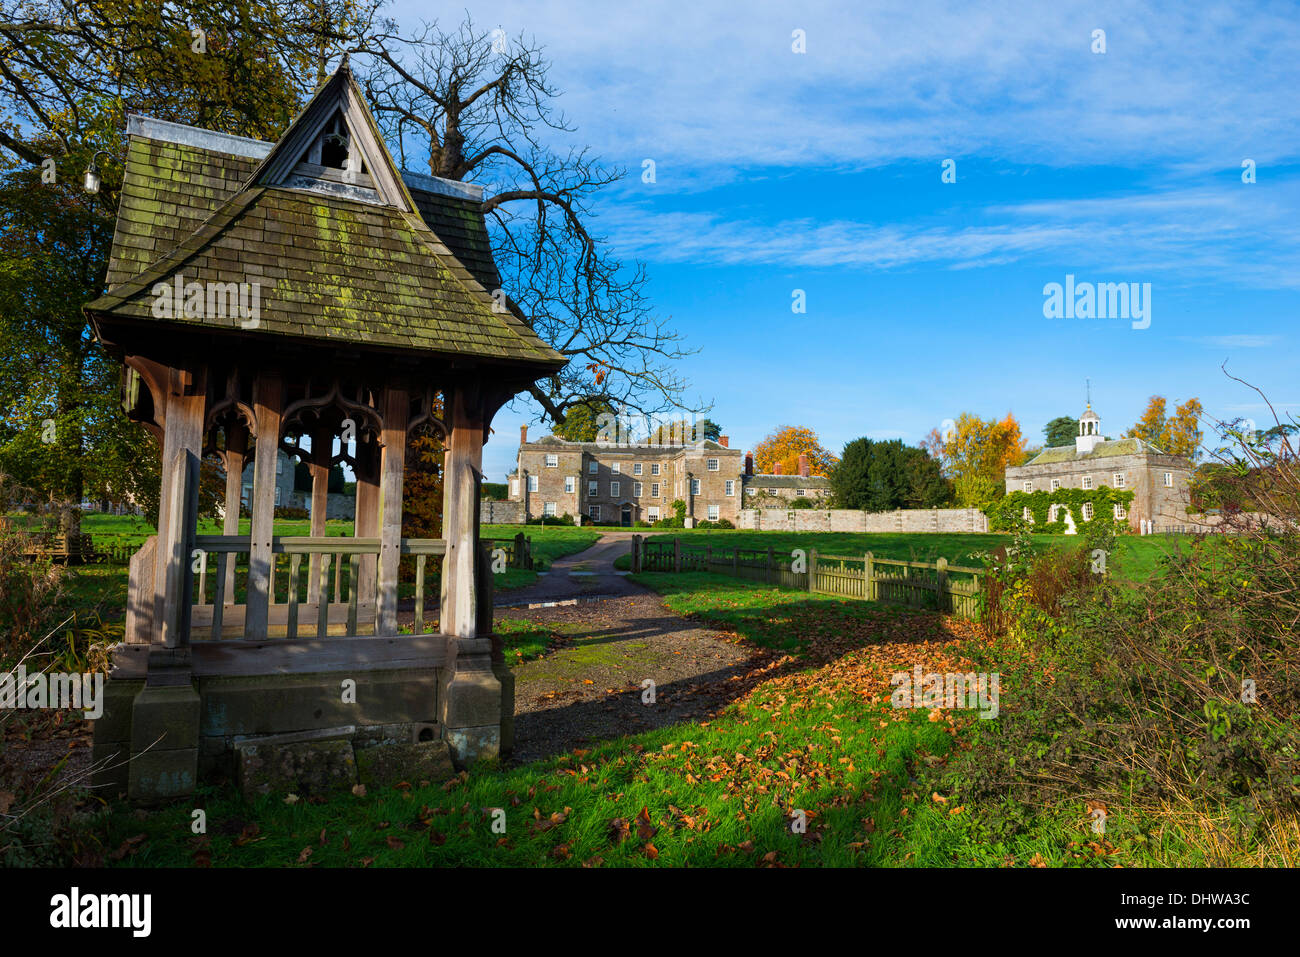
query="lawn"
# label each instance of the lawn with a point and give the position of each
(1136, 557)
(812, 768)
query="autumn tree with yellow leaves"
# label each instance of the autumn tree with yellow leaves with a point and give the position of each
(1179, 434)
(975, 454)
(783, 447)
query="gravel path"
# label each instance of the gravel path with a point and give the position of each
(592, 687)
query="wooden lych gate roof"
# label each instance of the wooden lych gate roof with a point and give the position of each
(364, 255)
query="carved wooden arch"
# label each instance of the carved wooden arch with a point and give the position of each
(372, 422)
(231, 404)
(154, 377)
(425, 416)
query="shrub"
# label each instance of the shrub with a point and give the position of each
(1140, 692)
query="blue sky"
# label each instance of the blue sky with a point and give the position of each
(821, 171)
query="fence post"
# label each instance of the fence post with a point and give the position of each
(769, 565)
(677, 554)
(812, 568)
(866, 577)
(941, 566)
(636, 554)
(869, 569)
(518, 554)
(735, 561)
(708, 558)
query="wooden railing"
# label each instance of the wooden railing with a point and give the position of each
(339, 600)
(934, 586)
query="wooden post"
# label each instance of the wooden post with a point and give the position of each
(812, 569)
(484, 595)
(708, 558)
(268, 397)
(770, 557)
(397, 405)
(235, 459)
(868, 582)
(322, 448)
(677, 554)
(520, 552)
(735, 561)
(941, 566)
(462, 472)
(184, 507)
(183, 437)
(636, 554)
(365, 524)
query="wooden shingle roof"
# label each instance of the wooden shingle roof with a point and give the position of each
(409, 269)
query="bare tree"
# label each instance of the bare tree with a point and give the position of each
(480, 104)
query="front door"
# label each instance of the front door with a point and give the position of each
(627, 516)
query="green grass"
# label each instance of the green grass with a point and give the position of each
(1136, 557)
(879, 786)
(721, 795)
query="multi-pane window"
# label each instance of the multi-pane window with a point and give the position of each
(731, 486)
(712, 465)
(1121, 512)
(613, 489)
(713, 513)
(552, 461)
(695, 486)
(592, 487)
(549, 509)
(1056, 483)
(616, 467)
(636, 489)
(654, 468)
(532, 483)
(1119, 480)
(1087, 511)
(654, 489)
(569, 484)
(1027, 515)
(636, 468)
(1169, 480)
(652, 514)
(800, 491)
(592, 466)
(594, 512)
(1087, 481)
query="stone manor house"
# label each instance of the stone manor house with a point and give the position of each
(609, 484)
(1158, 479)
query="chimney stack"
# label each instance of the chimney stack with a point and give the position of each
(749, 463)
(724, 441)
(523, 435)
(803, 465)
(776, 469)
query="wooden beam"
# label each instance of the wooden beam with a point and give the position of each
(462, 473)
(268, 399)
(366, 512)
(397, 407)
(186, 402)
(322, 447)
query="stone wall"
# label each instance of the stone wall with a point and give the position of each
(337, 504)
(852, 520)
(501, 513)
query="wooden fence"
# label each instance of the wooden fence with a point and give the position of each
(933, 586)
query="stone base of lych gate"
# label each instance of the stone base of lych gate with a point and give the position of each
(302, 733)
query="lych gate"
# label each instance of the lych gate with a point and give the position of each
(262, 295)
